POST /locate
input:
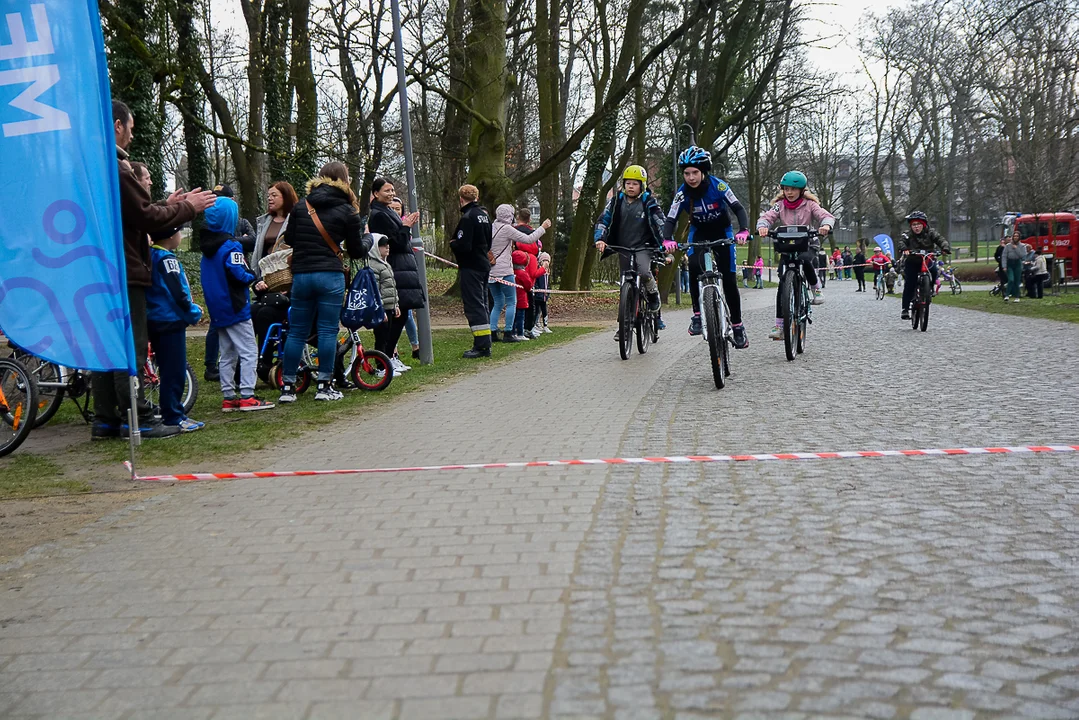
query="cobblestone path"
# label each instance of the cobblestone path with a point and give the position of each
(888, 588)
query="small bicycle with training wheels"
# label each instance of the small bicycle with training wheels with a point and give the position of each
(634, 315)
(795, 303)
(948, 273)
(880, 285)
(718, 329)
(923, 292)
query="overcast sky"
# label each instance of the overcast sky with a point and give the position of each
(840, 18)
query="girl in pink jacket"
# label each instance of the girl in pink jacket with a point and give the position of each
(796, 206)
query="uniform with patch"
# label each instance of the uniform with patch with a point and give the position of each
(168, 299)
(471, 245)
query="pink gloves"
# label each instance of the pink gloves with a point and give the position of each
(742, 236)
(670, 245)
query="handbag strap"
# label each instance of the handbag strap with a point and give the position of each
(334, 247)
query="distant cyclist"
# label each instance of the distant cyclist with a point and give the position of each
(633, 219)
(879, 263)
(708, 200)
(920, 239)
(797, 206)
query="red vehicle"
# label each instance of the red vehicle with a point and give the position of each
(1055, 234)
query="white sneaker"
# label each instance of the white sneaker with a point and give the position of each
(776, 334)
(1016, 300)
(398, 366)
(818, 297)
(288, 395)
(547, 329)
(328, 392)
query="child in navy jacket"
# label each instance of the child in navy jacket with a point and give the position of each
(225, 281)
(169, 310)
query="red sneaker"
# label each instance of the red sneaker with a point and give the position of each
(230, 404)
(252, 403)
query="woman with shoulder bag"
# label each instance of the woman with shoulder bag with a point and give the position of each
(320, 224)
(402, 258)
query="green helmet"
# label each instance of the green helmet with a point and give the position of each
(794, 179)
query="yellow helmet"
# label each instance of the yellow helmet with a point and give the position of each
(636, 172)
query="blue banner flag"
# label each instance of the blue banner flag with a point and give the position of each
(62, 281)
(886, 245)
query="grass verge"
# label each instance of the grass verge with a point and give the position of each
(237, 434)
(1064, 308)
(26, 475)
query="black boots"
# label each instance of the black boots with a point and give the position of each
(481, 347)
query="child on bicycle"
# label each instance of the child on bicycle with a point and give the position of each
(709, 201)
(920, 239)
(880, 263)
(795, 205)
(633, 219)
(169, 310)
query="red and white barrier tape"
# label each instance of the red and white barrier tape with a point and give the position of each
(676, 459)
(519, 287)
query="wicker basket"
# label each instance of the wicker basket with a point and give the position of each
(276, 271)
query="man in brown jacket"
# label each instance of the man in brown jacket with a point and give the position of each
(139, 216)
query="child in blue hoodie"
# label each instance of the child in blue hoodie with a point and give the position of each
(169, 310)
(225, 281)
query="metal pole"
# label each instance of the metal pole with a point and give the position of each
(134, 433)
(423, 315)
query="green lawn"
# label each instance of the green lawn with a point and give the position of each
(228, 437)
(1063, 307)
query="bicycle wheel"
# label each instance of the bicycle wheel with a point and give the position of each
(724, 341)
(51, 384)
(957, 287)
(786, 305)
(653, 327)
(372, 370)
(800, 312)
(626, 303)
(191, 389)
(880, 288)
(710, 305)
(643, 328)
(18, 404)
(303, 379)
(926, 291)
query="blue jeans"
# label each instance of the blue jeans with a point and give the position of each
(683, 275)
(321, 293)
(505, 296)
(519, 321)
(410, 330)
(170, 349)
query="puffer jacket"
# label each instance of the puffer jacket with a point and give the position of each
(387, 288)
(503, 238)
(928, 241)
(406, 271)
(523, 277)
(807, 213)
(332, 200)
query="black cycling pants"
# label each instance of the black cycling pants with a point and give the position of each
(809, 270)
(911, 269)
(722, 263)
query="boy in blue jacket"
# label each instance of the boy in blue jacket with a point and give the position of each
(169, 310)
(225, 281)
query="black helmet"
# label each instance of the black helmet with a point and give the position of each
(696, 157)
(919, 216)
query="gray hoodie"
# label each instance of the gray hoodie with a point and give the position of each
(386, 285)
(1013, 252)
(503, 235)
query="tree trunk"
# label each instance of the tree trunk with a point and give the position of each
(485, 74)
(547, 78)
(133, 83)
(250, 207)
(455, 123)
(580, 244)
(278, 93)
(302, 77)
(198, 164)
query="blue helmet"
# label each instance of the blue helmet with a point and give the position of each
(696, 157)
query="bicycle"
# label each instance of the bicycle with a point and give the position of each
(795, 303)
(948, 273)
(718, 329)
(923, 293)
(18, 404)
(879, 284)
(54, 382)
(634, 316)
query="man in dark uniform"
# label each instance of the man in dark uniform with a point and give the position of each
(471, 246)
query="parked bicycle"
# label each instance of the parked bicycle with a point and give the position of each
(948, 273)
(718, 330)
(795, 301)
(634, 316)
(18, 404)
(923, 292)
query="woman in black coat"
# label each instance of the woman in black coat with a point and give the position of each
(402, 259)
(318, 272)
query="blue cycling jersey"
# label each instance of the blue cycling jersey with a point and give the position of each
(709, 214)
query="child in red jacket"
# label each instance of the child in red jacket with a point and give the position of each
(525, 282)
